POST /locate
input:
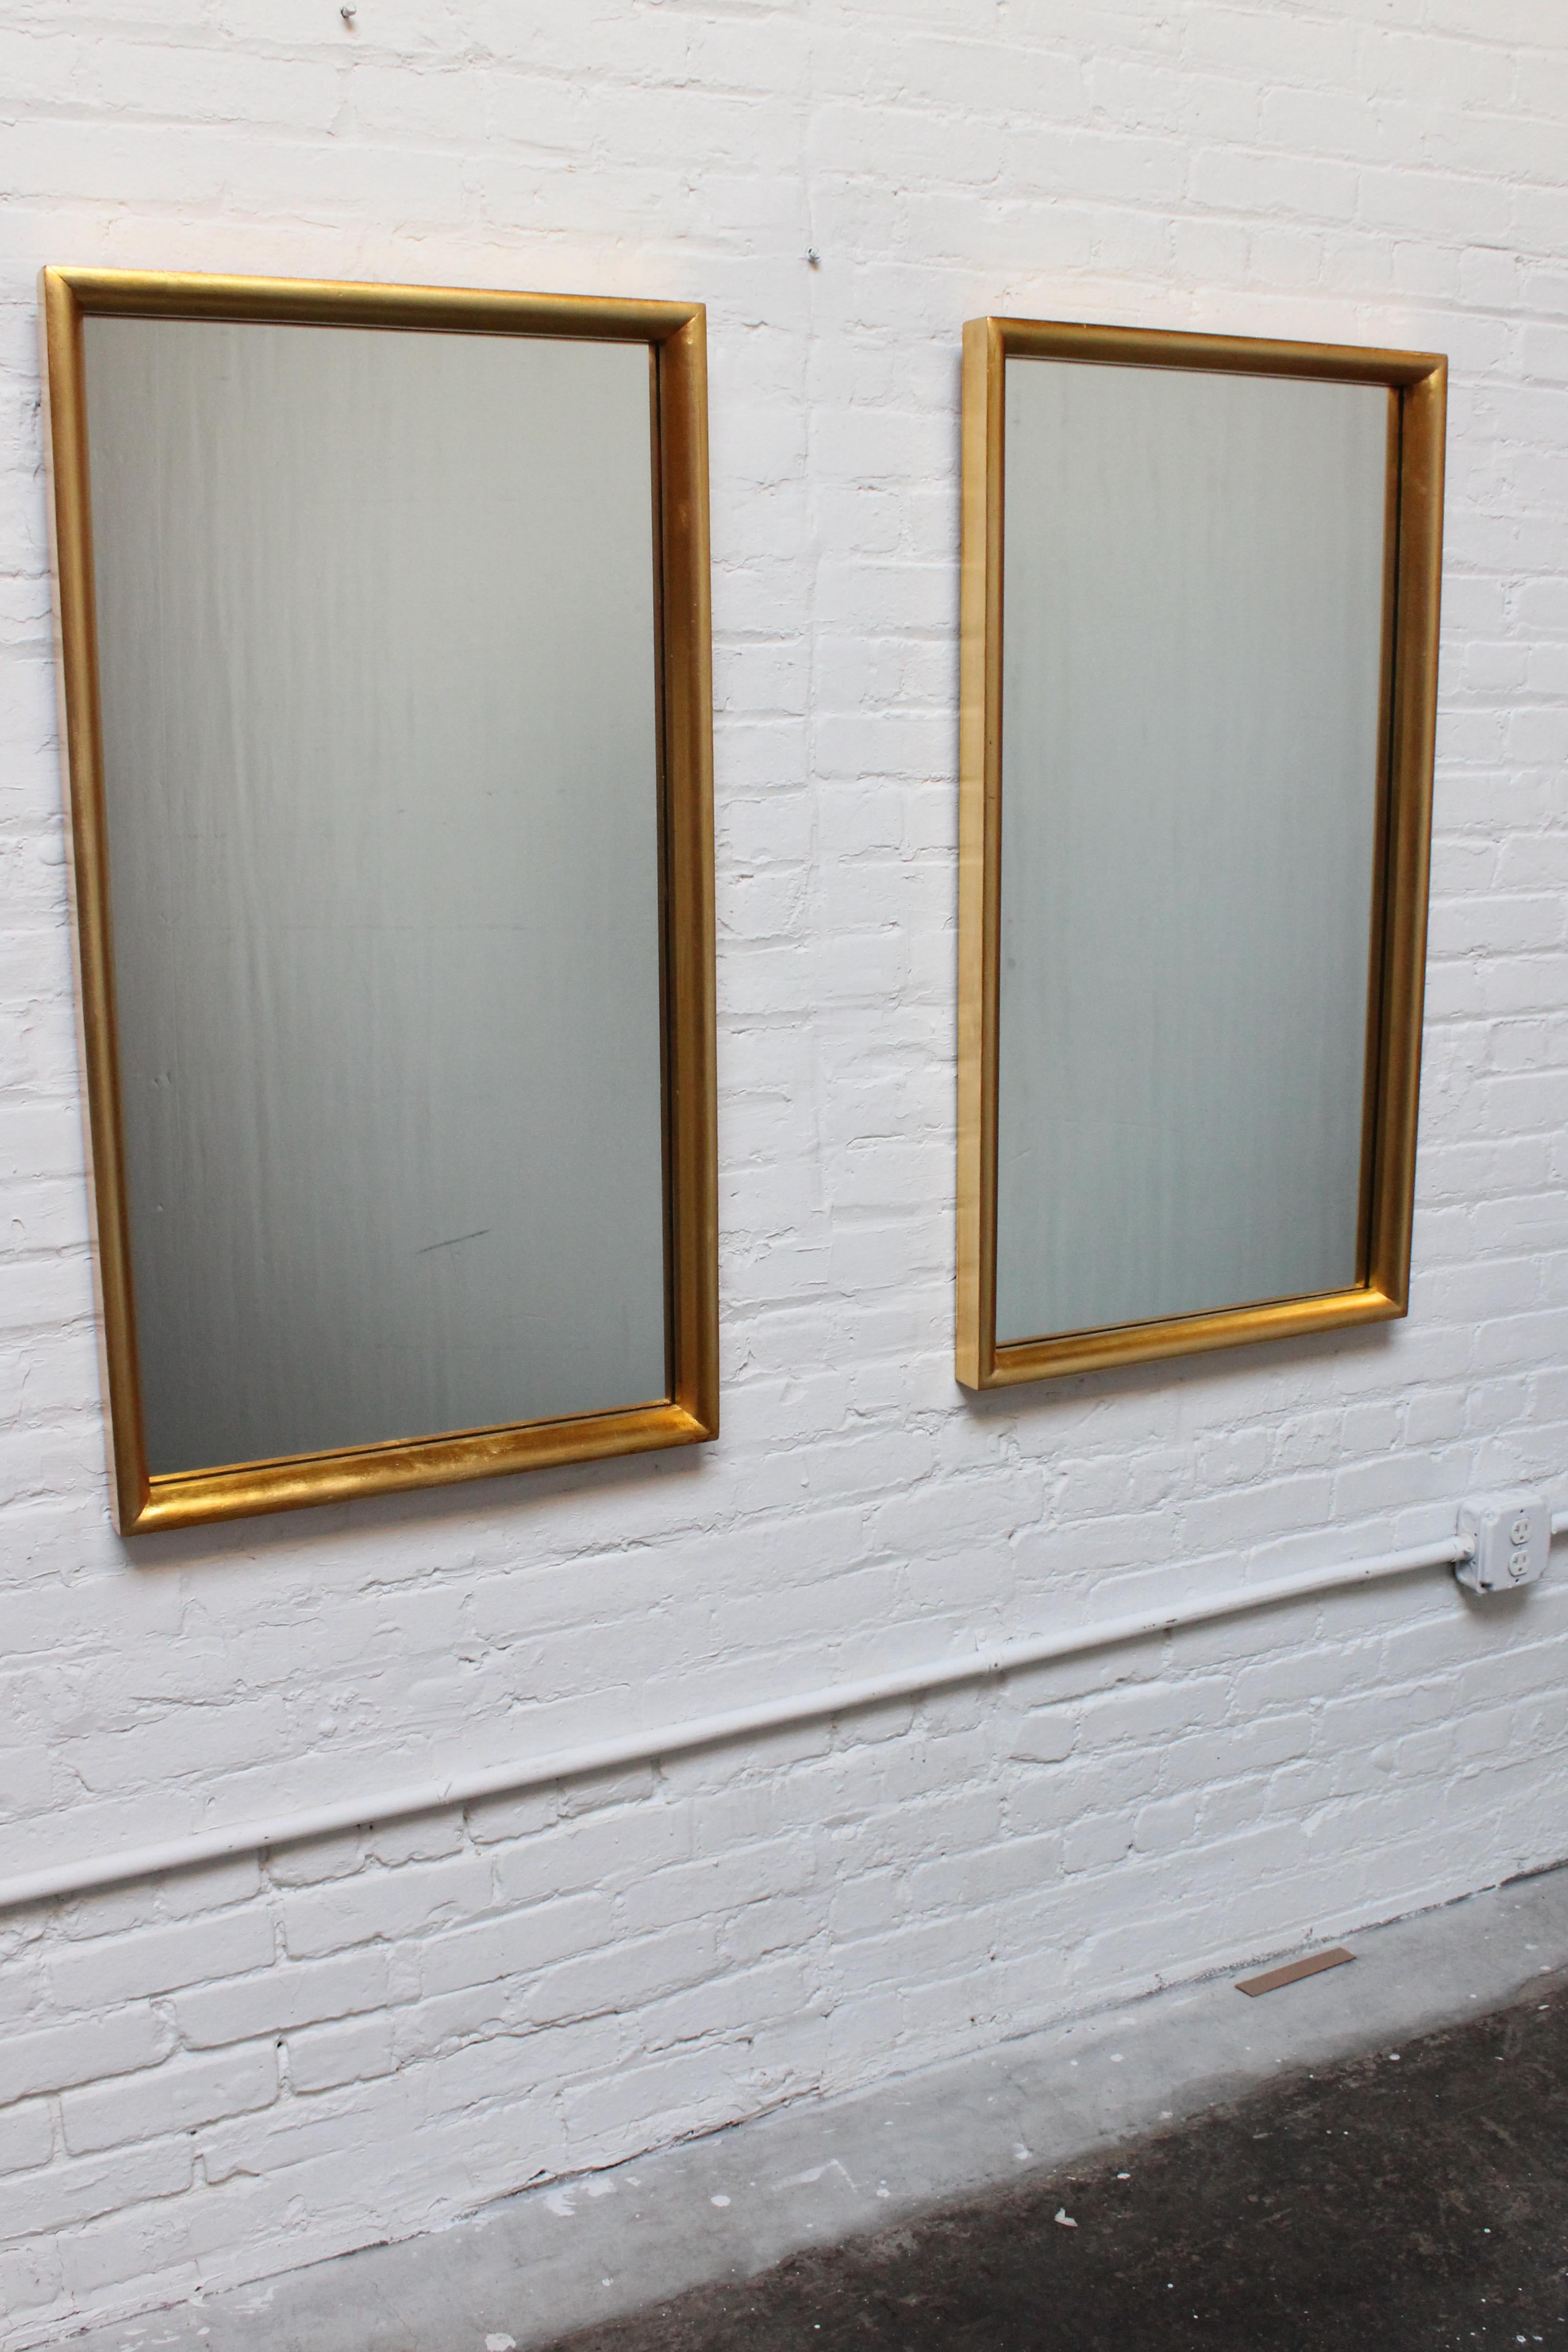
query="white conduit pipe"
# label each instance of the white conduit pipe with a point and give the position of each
(712, 1731)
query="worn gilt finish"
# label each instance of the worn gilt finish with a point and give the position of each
(674, 333)
(1418, 382)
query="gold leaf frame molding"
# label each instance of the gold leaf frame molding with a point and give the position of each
(674, 335)
(1416, 384)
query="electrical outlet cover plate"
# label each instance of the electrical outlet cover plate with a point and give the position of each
(1512, 1534)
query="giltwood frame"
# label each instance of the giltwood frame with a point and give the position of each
(1418, 385)
(675, 335)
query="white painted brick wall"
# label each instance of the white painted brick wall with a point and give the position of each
(209, 2079)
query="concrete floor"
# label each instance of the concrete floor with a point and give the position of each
(721, 2210)
(1411, 2200)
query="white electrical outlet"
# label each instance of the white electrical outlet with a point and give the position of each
(1512, 1535)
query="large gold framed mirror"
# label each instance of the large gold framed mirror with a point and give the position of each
(1199, 650)
(385, 636)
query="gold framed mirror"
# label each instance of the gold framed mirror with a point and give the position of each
(384, 642)
(1199, 653)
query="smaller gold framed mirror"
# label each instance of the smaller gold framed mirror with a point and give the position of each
(1199, 657)
(384, 637)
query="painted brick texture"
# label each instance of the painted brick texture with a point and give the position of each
(222, 2075)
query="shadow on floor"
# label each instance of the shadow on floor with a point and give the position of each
(1405, 2202)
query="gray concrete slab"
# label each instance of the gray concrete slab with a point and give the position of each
(528, 2268)
(1409, 2200)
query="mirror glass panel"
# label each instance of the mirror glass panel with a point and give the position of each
(1192, 677)
(377, 631)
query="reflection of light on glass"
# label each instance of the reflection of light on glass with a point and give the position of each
(1190, 679)
(376, 635)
